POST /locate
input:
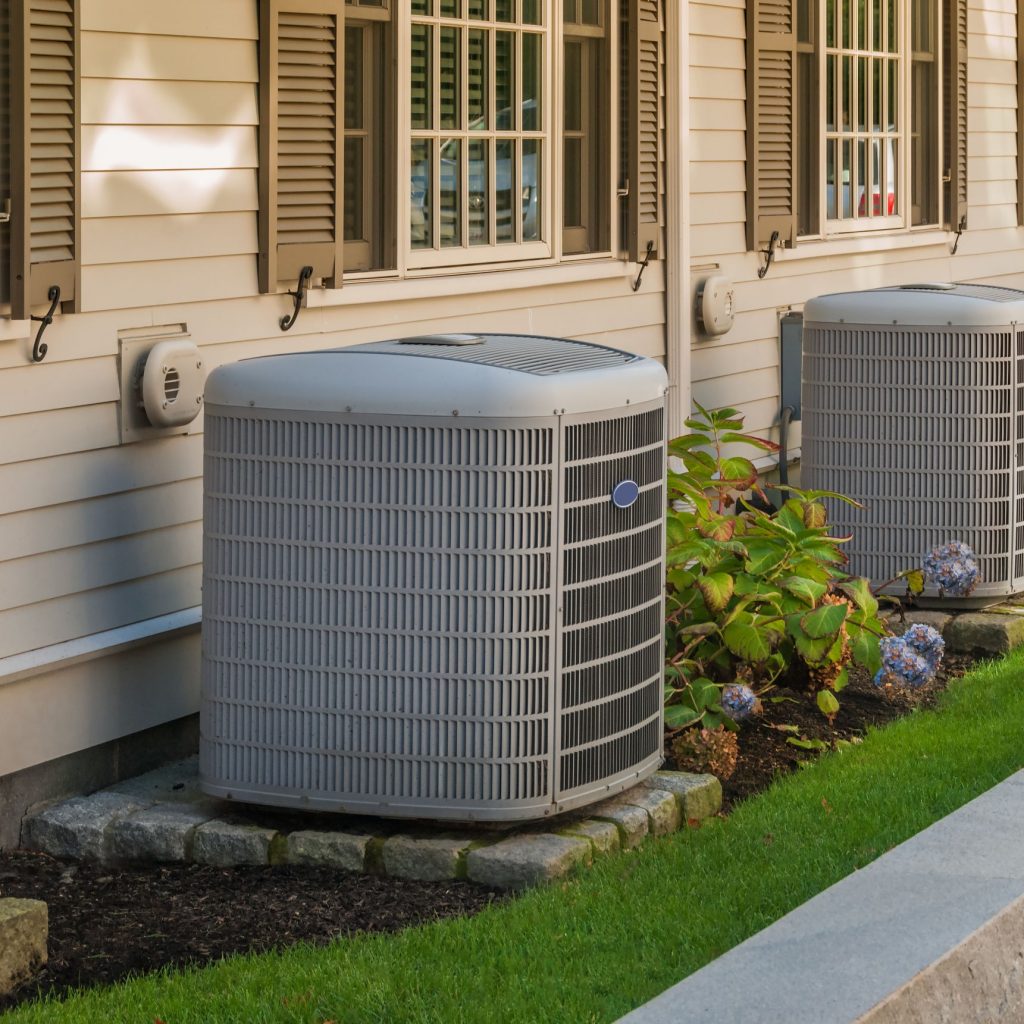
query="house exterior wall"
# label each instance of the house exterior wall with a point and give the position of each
(741, 368)
(96, 535)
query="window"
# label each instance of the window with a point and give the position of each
(479, 140)
(369, 122)
(585, 127)
(844, 133)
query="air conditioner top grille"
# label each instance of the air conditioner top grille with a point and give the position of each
(483, 376)
(539, 356)
(958, 306)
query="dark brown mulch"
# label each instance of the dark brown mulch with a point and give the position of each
(106, 924)
(765, 752)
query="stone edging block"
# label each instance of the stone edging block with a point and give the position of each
(424, 858)
(224, 844)
(344, 850)
(79, 828)
(699, 796)
(163, 833)
(525, 861)
(24, 926)
(988, 632)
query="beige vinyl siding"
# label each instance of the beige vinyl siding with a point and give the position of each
(741, 368)
(95, 535)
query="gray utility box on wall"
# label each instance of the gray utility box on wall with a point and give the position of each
(433, 575)
(913, 403)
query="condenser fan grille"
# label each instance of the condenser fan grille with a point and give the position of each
(925, 427)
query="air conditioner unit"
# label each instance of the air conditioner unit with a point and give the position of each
(913, 403)
(433, 575)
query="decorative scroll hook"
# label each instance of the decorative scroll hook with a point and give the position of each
(288, 322)
(769, 255)
(643, 266)
(40, 348)
(959, 231)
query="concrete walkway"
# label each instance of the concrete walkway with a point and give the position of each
(932, 931)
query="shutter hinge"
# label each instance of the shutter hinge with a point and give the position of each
(623, 190)
(5, 211)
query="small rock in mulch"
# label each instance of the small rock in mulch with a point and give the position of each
(107, 923)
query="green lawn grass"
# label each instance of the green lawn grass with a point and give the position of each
(594, 948)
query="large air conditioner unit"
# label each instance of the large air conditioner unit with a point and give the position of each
(913, 404)
(433, 576)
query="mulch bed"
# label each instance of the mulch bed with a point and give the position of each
(106, 924)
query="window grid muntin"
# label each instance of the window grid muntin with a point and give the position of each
(882, 21)
(436, 137)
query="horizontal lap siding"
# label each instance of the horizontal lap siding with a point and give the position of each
(741, 368)
(94, 535)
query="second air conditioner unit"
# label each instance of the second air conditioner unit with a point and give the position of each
(433, 575)
(913, 404)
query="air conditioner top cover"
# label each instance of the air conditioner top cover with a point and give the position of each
(497, 376)
(920, 305)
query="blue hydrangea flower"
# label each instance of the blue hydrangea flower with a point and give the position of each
(952, 568)
(902, 665)
(927, 642)
(738, 701)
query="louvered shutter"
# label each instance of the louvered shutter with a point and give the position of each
(771, 124)
(954, 99)
(646, 57)
(45, 169)
(301, 140)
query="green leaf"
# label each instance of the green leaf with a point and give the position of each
(865, 650)
(841, 680)
(738, 472)
(815, 515)
(809, 590)
(746, 641)
(825, 620)
(678, 716)
(703, 693)
(915, 581)
(806, 744)
(827, 703)
(812, 650)
(764, 556)
(699, 629)
(720, 529)
(858, 590)
(716, 589)
(760, 443)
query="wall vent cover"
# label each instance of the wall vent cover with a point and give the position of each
(408, 614)
(913, 403)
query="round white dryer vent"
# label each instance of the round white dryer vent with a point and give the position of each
(172, 384)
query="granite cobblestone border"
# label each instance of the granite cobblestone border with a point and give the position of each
(162, 817)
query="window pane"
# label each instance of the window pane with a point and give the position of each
(876, 96)
(422, 105)
(505, 80)
(847, 178)
(893, 95)
(862, 24)
(846, 117)
(863, 204)
(847, 21)
(451, 67)
(479, 187)
(477, 80)
(531, 12)
(451, 193)
(422, 7)
(803, 21)
(892, 36)
(449, 8)
(862, 94)
(530, 190)
(573, 87)
(354, 75)
(924, 117)
(591, 13)
(478, 9)
(831, 70)
(421, 193)
(572, 200)
(531, 82)
(505, 171)
(504, 10)
(354, 194)
(876, 27)
(831, 209)
(830, 23)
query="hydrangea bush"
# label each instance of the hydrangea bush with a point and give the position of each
(952, 569)
(910, 661)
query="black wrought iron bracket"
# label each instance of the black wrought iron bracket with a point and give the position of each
(40, 348)
(288, 322)
(643, 266)
(960, 228)
(769, 255)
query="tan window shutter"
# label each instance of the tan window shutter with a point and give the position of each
(646, 128)
(954, 98)
(301, 140)
(771, 122)
(45, 136)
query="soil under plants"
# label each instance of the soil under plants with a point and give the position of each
(107, 924)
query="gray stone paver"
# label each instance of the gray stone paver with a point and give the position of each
(987, 632)
(163, 832)
(425, 858)
(227, 844)
(526, 860)
(79, 828)
(603, 836)
(699, 796)
(24, 927)
(163, 817)
(343, 850)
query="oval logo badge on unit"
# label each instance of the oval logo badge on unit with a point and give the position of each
(625, 494)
